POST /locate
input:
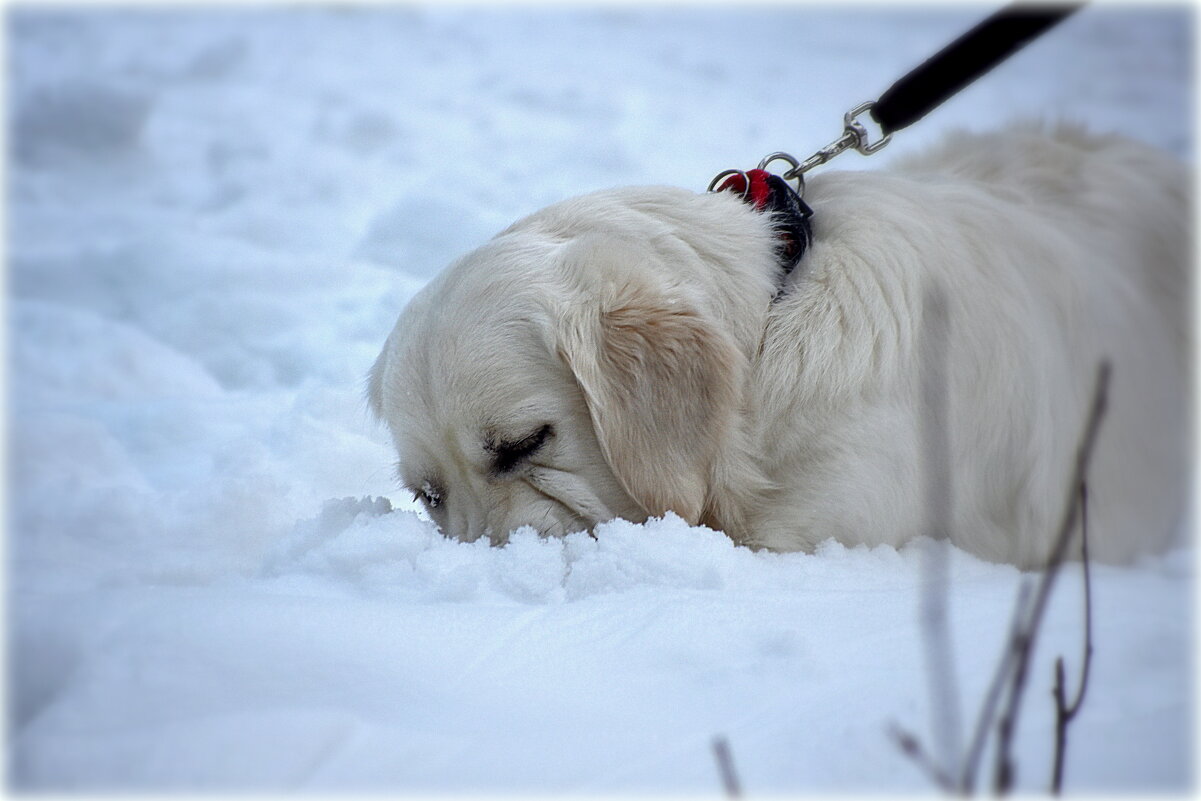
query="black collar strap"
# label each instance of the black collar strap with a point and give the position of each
(790, 215)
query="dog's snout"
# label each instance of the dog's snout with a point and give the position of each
(469, 522)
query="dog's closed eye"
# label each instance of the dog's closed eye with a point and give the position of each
(508, 455)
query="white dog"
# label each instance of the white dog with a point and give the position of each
(625, 354)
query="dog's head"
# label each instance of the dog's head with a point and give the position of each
(588, 363)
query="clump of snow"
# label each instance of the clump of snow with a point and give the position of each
(214, 582)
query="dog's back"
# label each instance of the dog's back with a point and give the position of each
(1051, 250)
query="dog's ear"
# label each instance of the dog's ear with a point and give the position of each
(662, 386)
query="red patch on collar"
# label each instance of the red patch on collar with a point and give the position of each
(760, 191)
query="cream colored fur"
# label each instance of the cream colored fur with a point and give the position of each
(640, 324)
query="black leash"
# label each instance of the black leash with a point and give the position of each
(905, 102)
(963, 61)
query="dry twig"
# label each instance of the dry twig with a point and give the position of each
(911, 747)
(1065, 712)
(1028, 614)
(943, 688)
(988, 710)
(725, 766)
(1023, 642)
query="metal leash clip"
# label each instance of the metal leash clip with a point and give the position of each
(855, 135)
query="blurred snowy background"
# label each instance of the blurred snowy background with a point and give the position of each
(214, 217)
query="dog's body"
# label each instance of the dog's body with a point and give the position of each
(624, 354)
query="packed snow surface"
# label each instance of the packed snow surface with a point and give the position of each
(214, 582)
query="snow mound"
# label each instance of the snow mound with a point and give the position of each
(423, 228)
(557, 665)
(79, 120)
(364, 544)
(65, 354)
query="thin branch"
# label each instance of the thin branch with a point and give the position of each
(1088, 604)
(988, 710)
(1064, 712)
(942, 689)
(725, 766)
(1004, 774)
(1027, 617)
(911, 747)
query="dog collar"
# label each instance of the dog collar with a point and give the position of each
(771, 194)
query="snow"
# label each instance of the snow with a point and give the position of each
(214, 583)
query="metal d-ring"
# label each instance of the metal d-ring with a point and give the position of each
(793, 171)
(746, 190)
